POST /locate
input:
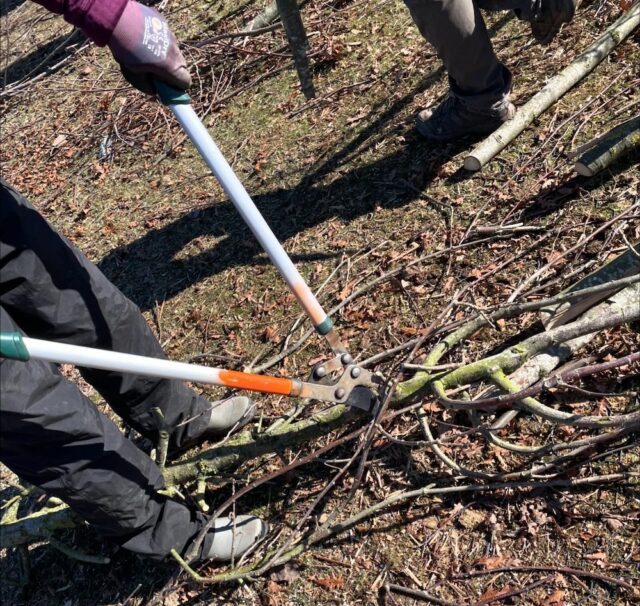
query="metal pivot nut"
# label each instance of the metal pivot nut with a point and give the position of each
(321, 371)
(355, 372)
(340, 393)
(346, 359)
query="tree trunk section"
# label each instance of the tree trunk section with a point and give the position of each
(294, 28)
(621, 140)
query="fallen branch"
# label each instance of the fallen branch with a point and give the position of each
(323, 533)
(626, 264)
(621, 140)
(412, 387)
(418, 595)
(266, 17)
(36, 527)
(580, 67)
(557, 569)
(422, 595)
(554, 380)
(251, 33)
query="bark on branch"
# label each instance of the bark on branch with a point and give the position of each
(621, 140)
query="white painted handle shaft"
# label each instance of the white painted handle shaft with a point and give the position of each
(89, 357)
(209, 151)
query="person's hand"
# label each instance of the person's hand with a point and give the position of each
(146, 48)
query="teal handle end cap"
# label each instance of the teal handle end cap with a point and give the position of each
(12, 346)
(170, 95)
(324, 327)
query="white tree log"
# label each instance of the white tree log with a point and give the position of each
(626, 264)
(265, 18)
(619, 141)
(554, 89)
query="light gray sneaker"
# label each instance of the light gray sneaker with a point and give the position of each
(227, 416)
(229, 539)
(231, 414)
(546, 17)
(453, 118)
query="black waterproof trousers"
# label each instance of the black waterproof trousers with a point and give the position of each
(51, 435)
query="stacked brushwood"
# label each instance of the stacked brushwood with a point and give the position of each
(521, 376)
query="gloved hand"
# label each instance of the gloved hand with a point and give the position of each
(146, 48)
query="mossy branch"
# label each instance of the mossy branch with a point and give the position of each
(621, 140)
(511, 359)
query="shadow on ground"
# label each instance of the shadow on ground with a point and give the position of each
(6, 6)
(43, 59)
(147, 271)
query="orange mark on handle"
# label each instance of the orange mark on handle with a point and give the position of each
(262, 383)
(309, 302)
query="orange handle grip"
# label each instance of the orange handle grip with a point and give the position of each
(253, 382)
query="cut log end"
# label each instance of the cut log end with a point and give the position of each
(583, 170)
(472, 164)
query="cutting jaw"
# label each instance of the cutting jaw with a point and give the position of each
(341, 381)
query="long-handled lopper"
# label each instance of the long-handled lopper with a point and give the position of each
(337, 380)
(179, 103)
(354, 386)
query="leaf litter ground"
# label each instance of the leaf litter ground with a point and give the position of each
(352, 192)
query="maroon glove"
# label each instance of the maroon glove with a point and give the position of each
(146, 48)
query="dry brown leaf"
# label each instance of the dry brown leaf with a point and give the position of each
(171, 600)
(270, 334)
(273, 587)
(59, 140)
(330, 583)
(613, 524)
(491, 562)
(491, 593)
(598, 555)
(448, 284)
(432, 407)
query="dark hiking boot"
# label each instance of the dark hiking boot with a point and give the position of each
(229, 539)
(547, 17)
(453, 118)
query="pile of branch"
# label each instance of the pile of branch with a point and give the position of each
(520, 373)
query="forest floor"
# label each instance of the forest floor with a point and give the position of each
(352, 192)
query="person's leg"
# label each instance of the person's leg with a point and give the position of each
(478, 101)
(457, 31)
(54, 437)
(53, 292)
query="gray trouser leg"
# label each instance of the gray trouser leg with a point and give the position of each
(457, 31)
(53, 292)
(54, 437)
